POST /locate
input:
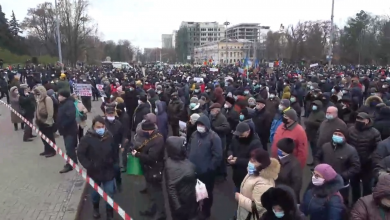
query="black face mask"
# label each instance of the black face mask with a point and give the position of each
(360, 125)
(285, 120)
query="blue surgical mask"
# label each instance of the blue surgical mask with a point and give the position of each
(192, 105)
(337, 139)
(100, 131)
(293, 99)
(329, 117)
(242, 117)
(246, 92)
(251, 168)
(314, 107)
(333, 90)
(278, 214)
(280, 153)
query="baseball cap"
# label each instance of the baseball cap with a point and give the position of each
(241, 128)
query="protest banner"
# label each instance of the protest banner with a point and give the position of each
(83, 89)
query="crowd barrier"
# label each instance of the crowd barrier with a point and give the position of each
(82, 172)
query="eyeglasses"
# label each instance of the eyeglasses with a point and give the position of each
(316, 175)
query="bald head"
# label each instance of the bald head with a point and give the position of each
(331, 112)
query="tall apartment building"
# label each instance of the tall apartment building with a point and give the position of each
(174, 33)
(200, 33)
(166, 41)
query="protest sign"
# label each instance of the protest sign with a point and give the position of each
(100, 89)
(83, 89)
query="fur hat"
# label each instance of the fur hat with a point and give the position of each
(281, 195)
(230, 100)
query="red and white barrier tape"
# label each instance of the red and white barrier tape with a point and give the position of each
(82, 172)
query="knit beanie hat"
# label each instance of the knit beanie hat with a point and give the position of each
(285, 103)
(327, 172)
(292, 114)
(286, 145)
(64, 93)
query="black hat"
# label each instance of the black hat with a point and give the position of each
(64, 93)
(110, 110)
(260, 100)
(143, 98)
(287, 145)
(148, 126)
(230, 100)
(262, 157)
(242, 127)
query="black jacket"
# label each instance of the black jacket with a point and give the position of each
(290, 174)
(262, 120)
(27, 103)
(140, 112)
(343, 158)
(97, 154)
(180, 179)
(66, 117)
(125, 121)
(382, 122)
(241, 148)
(116, 129)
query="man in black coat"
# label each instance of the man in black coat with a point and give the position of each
(27, 106)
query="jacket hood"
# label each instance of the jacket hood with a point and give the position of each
(50, 92)
(371, 99)
(42, 91)
(175, 148)
(272, 171)
(382, 188)
(151, 117)
(161, 107)
(13, 88)
(326, 96)
(318, 103)
(205, 121)
(329, 188)
(281, 195)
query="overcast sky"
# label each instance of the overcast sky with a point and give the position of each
(142, 22)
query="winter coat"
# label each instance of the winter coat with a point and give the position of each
(314, 121)
(327, 128)
(283, 196)
(242, 148)
(382, 151)
(131, 102)
(262, 120)
(139, 113)
(162, 119)
(139, 138)
(175, 109)
(324, 202)
(45, 108)
(343, 158)
(66, 118)
(205, 149)
(97, 155)
(27, 103)
(290, 174)
(365, 142)
(220, 125)
(180, 179)
(253, 187)
(295, 132)
(382, 122)
(369, 207)
(370, 104)
(14, 101)
(286, 93)
(218, 97)
(276, 121)
(63, 85)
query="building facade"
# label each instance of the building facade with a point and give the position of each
(237, 50)
(174, 33)
(166, 41)
(201, 33)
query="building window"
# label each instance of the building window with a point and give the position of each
(222, 54)
(234, 60)
(234, 54)
(222, 47)
(219, 29)
(231, 54)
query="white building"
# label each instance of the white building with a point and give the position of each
(166, 41)
(174, 33)
(200, 33)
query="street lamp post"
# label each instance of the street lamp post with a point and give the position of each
(226, 23)
(58, 35)
(330, 52)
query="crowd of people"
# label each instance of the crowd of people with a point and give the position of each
(187, 124)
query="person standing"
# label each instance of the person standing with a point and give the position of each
(151, 156)
(14, 93)
(175, 109)
(98, 157)
(67, 126)
(27, 106)
(44, 119)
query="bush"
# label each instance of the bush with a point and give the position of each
(13, 59)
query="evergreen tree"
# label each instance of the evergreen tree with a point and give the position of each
(14, 25)
(3, 19)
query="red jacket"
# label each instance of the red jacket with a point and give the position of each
(298, 134)
(113, 89)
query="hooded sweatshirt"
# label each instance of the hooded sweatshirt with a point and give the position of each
(205, 149)
(45, 110)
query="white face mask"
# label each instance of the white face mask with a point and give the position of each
(139, 102)
(226, 106)
(156, 110)
(201, 129)
(110, 118)
(317, 181)
(271, 96)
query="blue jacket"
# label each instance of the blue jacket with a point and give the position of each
(205, 149)
(66, 117)
(324, 202)
(162, 118)
(275, 124)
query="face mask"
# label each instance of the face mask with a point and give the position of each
(246, 92)
(333, 90)
(139, 102)
(156, 110)
(201, 129)
(235, 97)
(337, 139)
(360, 125)
(158, 92)
(146, 134)
(311, 87)
(196, 90)
(317, 181)
(329, 117)
(271, 96)
(100, 131)
(280, 153)
(281, 108)
(293, 99)
(192, 105)
(285, 120)
(110, 118)
(226, 106)
(242, 117)
(278, 214)
(251, 168)
(284, 84)
(131, 89)
(314, 107)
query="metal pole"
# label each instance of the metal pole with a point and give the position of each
(255, 46)
(160, 55)
(226, 39)
(330, 53)
(58, 36)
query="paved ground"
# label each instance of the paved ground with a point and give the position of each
(31, 187)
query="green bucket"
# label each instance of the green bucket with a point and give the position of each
(134, 166)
